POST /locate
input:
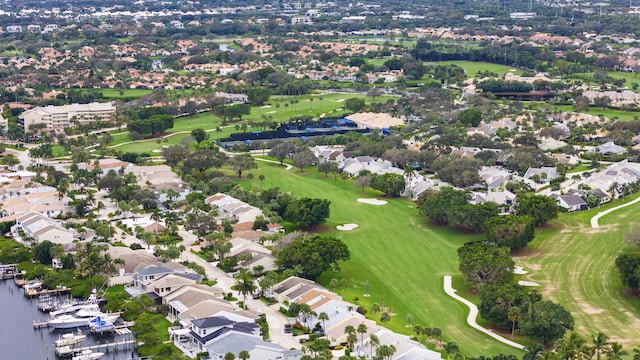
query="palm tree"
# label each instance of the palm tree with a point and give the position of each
(452, 349)
(385, 351)
(600, 344)
(244, 285)
(244, 355)
(419, 330)
(352, 339)
(385, 317)
(533, 353)
(323, 317)
(229, 356)
(250, 178)
(374, 341)
(362, 329)
(261, 179)
(438, 333)
(375, 309)
(616, 352)
(514, 315)
(343, 284)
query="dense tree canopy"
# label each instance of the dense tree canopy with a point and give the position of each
(314, 254)
(540, 208)
(546, 321)
(496, 301)
(307, 212)
(513, 231)
(483, 263)
(391, 185)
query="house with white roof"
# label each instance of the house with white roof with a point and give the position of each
(610, 148)
(231, 207)
(544, 174)
(40, 228)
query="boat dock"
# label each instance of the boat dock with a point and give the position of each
(10, 271)
(118, 329)
(57, 291)
(114, 346)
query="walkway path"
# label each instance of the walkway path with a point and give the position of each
(288, 167)
(594, 220)
(473, 314)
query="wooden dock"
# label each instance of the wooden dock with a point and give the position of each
(10, 271)
(57, 291)
(114, 346)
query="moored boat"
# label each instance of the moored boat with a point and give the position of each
(70, 339)
(68, 321)
(88, 355)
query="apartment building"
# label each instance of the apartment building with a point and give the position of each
(57, 118)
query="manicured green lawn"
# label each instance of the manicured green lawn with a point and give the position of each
(395, 251)
(575, 265)
(472, 67)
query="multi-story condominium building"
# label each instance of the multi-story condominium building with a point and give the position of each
(57, 118)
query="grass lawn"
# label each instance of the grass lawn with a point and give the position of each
(575, 265)
(395, 251)
(472, 67)
(609, 113)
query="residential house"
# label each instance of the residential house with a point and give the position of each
(208, 308)
(610, 148)
(41, 228)
(406, 349)
(541, 175)
(572, 202)
(293, 287)
(219, 335)
(231, 207)
(14, 29)
(189, 296)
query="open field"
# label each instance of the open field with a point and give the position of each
(575, 265)
(472, 67)
(395, 251)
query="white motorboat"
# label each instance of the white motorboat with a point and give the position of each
(68, 321)
(73, 306)
(32, 285)
(64, 351)
(46, 303)
(70, 339)
(88, 355)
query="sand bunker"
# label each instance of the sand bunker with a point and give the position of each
(519, 270)
(528, 283)
(372, 201)
(346, 227)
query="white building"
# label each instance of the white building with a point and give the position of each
(57, 118)
(41, 228)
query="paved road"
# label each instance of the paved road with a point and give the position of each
(473, 314)
(594, 220)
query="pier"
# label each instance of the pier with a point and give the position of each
(114, 346)
(10, 271)
(57, 291)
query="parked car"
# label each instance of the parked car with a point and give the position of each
(287, 328)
